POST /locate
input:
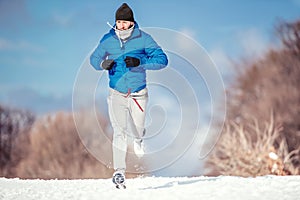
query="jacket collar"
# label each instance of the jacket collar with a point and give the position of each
(135, 33)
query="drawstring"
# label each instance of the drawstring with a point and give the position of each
(128, 93)
(134, 99)
(121, 43)
(137, 103)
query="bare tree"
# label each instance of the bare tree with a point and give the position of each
(263, 86)
(14, 127)
(290, 36)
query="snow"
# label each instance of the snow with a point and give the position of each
(222, 187)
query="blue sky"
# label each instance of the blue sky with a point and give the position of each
(43, 43)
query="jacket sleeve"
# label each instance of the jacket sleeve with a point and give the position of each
(98, 55)
(155, 58)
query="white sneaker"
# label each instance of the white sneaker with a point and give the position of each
(138, 147)
(118, 177)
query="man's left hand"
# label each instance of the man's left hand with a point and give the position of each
(131, 61)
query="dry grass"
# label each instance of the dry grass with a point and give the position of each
(253, 151)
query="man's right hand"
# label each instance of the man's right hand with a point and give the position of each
(108, 64)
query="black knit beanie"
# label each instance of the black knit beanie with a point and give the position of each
(124, 13)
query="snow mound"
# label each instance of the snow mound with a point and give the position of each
(222, 187)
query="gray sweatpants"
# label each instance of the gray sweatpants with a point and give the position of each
(125, 109)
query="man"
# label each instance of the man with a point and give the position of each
(127, 52)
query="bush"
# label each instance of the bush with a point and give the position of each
(250, 150)
(56, 151)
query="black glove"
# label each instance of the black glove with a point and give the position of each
(131, 61)
(107, 64)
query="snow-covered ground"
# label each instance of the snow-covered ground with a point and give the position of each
(155, 188)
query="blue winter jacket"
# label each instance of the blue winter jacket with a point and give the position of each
(139, 45)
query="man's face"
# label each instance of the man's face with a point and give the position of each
(123, 25)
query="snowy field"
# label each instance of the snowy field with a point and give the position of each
(155, 188)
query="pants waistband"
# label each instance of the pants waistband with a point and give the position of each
(142, 92)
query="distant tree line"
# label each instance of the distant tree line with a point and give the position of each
(49, 146)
